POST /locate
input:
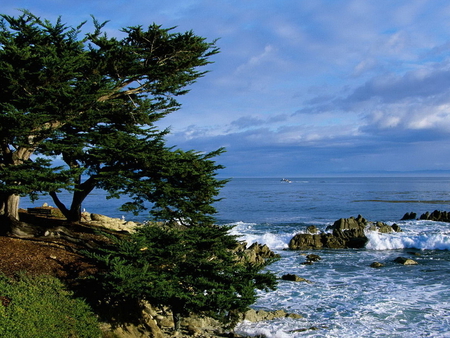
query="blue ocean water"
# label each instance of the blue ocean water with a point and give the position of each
(346, 297)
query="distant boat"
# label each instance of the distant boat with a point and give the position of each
(286, 180)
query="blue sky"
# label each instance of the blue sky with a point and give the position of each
(304, 88)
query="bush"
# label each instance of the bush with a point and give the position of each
(41, 307)
(192, 271)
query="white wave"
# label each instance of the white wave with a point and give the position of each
(421, 241)
(251, 233)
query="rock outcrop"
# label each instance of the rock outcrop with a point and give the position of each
(345, 233)
(116, 224)
(409, 216)
(294, 278)
(256, 253)
(439, 216)
(405, 261)
(260, 315)
(158, 323)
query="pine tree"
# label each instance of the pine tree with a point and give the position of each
(60, 92)
(192, 270)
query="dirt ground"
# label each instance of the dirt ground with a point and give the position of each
(42, 257)
(54, 256)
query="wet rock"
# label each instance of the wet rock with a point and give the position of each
(350, 231)
(396, 228)
(409, 216)
(405, 261)
(376, 265)
(439, 216)
(312, 229)
(294, 278)
(345, 233)
(313, 258)
(384, 228)
(305, 242)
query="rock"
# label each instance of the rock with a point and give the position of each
(396, 228)
(312, 229)
(405, 261)
(260, 315)
(294, 316)
(384, 228)
(313, 258)
(116, 224)
(200, 323)
(350, 231)
(306, 242)
(409, 216)
(345, 233)
(255, 253)
(439, 216)
(294, 278)
(376, 265)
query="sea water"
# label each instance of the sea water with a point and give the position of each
(346, 297)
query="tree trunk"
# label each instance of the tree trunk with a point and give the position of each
(176, 320)
(9, 205)
(82, 190)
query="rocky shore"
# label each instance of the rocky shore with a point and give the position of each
(343, 234)
(436, 215)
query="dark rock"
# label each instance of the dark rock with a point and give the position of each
(313, 258)
(345, 233)
(439, 216)
(350, 231)
(294, 278)
(305, 242)
(396, 228)
(405, 261)
(384, 228)
(409, 216)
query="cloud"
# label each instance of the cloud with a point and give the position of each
(304, 86)
(416, 84)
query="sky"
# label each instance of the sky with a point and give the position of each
(303, 88)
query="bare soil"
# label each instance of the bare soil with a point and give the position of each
(58, 257)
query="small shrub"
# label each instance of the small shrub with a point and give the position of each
(41, 307)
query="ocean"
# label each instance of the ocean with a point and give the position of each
(346, 297)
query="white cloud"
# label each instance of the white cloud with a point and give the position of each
(325, 79)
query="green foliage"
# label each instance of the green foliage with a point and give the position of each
(182, 185)
(194, 270)
(90, 100)
(41, 307)
(186, 188)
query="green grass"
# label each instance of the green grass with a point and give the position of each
(42, 307)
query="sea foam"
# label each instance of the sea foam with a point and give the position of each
(421, 241)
